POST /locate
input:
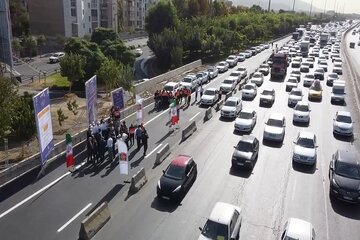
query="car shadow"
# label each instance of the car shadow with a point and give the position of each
(240, 133)
(338, 103)
(245, 99)
(304, 168)
(300, 124)
(266, 105)
(226, 119)
(349, 139)
(240, 172)
(163, 205)
(272, 144)
(345, 209)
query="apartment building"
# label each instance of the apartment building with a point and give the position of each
(134, 13)
(71, 18)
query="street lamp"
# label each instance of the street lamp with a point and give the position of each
(269, 6)
(325, 7)
(311, 7)
(294, 6)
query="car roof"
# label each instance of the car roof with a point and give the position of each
(181, 160)
(247, 138)
(303, 103)
(344, 113)
(222, 213)
(250, 83)
(171, 84)
(296, 90)
(299, 229)
(212, 89)
(347, 156)
(277, 116)
(306, 134)
(233, 99)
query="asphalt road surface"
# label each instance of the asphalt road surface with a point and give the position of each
(274, 191)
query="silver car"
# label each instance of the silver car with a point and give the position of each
(275, 128)
(343, 124)
(249, 91)
(295, 96)
(305, 148)
(231, 107)
(246, 120)
(301, 112)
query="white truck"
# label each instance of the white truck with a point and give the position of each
(324, 37)
(304, 48)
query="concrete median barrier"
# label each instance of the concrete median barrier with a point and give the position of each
(190, 129)
(229, 94)
(162, 154)
(219, 104)
(208, 114)
(251, 74)
(235, 91)
(94, 222)
(138, 180)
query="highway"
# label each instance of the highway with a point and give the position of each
(274, 191)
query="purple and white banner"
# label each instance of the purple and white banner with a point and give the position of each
(91, 99)
(43, 123)
(117, 97)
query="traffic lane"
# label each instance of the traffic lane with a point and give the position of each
(136, 42)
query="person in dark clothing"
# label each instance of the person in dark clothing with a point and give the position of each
(102, 149)
(95, 151)
(138, 134)
(132, 134)
(144, 139)
(90, 149)
(220, 94)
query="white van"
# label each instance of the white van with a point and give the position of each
(338, 91)
(298, 229)
(172, 86)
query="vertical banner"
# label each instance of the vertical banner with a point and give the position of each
(117, 97)
(69, 153)
(123, 157)
(91, 99)
(6, 55)
(139, 110)
(43, 123)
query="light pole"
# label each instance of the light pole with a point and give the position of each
(294, 6)
(325, 7)
(311, 7)
(269, 5)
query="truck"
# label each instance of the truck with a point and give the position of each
(324, 37)
(304, 48)
(279, 66)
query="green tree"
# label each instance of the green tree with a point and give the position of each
(7, 97)
(72, 67)
(160, 16)
(118, 51)
(126, 78)
(30, 45)
(182, 8)
(41, 40)
(16, 46)
(109, 73)
(61, 116)
(101, 34)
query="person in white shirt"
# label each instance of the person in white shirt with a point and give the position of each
(109, 147)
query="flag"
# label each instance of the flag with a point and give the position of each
(139, 110)
(123, 157)
(69, 153)
(173, 114)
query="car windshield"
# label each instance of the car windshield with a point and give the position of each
(168, 88)
(199, 75)
(187, 80)
(295, 72)
(302, 108)
(221, 64)
(231, 58)
(337, 65)
(241, 69)
(210, 70)
(305, 142)
(319, 70)
(344, 119)
(264, 66)
(338, 90)
(228, 81)
(296, 93)
(234, 74)
(257, 75)
(175, 172)
(347, 170)
(245, 115)
(249, 87)
(230, 103)
(267, 92)
(292, 80)
(333, 75)
(244, 146)
(209, 92)
(309, 76)
(214, 230)
(274, 122)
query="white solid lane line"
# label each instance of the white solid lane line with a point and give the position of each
(166, 111)
(74, 217)
(153, 150)
(194, 117)
(33, 195)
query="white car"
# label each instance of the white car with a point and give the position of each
(172, 87)
(295, 96)
(228, 85)
(343, 124)
(264, 69)
(257, 78)
(56, 57)
(138, 52)
(224, 223)
(213, 72)
(267, 96)
(331, 78)
(189, 82)
(202, 77)
(243, 71)
(337, 68)
(323, 65)
(338, 92)
(236, 75)
(310, 61)
(297, 74)
(298, 229)
(222, 66)
(249, 91)
(231, 107)
(291, 83)
(305, 148)
(308, 80)
(246, 120)
(241, 57)
(305, 67)
(210, 97)
(301, 112)
(275, 128)
(296, 63)
(232, 60)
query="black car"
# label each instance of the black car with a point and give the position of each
(246, 152)
(344, 175)
(177, 178)
(319, 73)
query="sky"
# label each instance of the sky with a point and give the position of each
(348, 6)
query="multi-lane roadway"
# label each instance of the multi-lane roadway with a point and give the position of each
(269, 194)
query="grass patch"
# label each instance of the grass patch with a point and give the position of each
(57, 80)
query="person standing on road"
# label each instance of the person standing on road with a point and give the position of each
(201, 91)
(138, 134)
(144, 139)
(132, 135)
(90, 149)
(109, 147)
(188, 92)
(196, 92)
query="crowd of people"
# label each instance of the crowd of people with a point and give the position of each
(163, 98)
(103, 135)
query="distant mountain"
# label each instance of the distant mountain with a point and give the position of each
(276, 5)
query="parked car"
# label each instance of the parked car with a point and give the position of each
(210, 97)
(275, 128)
(232, 61)
(202, 77)
(245, 152)
(56, 57)
(295, 96)
(264, 69)
(172, 87)
(343, 124)
(245, 121)
(249, 91)
(224, 223)
(248, 53)
(344, 176)
(301, 112)
(305, 148)
(267, 97)
(228, 85)
(298, 229)
(222, 66)
(177, 178)
(291, 83)
(241, 57)
(231, 107)
(243, 71)
(213, 72)
(257, 78)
